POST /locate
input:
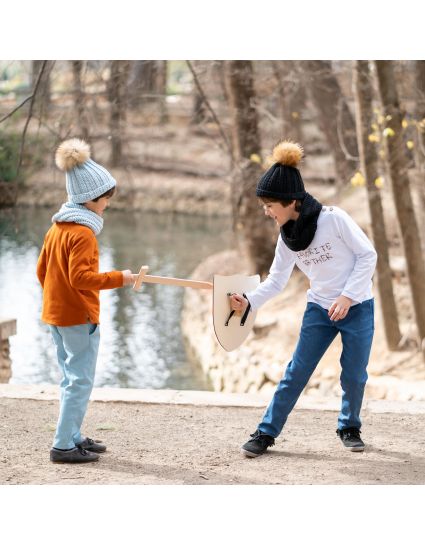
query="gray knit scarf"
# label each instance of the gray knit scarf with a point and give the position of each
(77, 213)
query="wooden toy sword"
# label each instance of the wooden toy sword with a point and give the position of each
(144, 277)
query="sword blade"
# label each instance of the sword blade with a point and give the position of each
(169, 280)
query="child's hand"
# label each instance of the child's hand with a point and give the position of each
(238, 303)
(129, 277)
(339, 308)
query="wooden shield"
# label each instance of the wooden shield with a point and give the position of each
(231, 330)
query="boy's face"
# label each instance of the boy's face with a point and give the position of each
(99, 206)
(281, 214)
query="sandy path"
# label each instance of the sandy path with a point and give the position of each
(177, 444)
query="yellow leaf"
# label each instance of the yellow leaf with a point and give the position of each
(388, 132)
(255, 158)
(295, 115)
(410, 144)
(379, 182)
(388, 117)
(358, 180)
(404, 123)
(373, 138)
(374, 126)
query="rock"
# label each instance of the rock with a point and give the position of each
(274, 372)
(7, 329)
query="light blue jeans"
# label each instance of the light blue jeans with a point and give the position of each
(76, 348)
(317, 333)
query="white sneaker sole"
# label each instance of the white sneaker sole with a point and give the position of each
(249, 454)
(355, 449)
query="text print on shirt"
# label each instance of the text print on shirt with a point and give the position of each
(316, 255)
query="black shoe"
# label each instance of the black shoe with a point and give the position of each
(75, 455)
(92, 445)
(350, 438)
(257, 445)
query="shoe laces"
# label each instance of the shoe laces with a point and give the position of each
(351, 433)
(263, 438)
(83, 451)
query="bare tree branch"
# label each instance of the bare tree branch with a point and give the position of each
(344, 149)
(21, 151)
(52, 131)
(208, 105)
(16, 109)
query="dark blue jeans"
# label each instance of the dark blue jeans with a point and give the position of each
(317, 333)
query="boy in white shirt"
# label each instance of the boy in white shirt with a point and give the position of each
(339, 260)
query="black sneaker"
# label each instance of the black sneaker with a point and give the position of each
(350, 438)
(92, 445)
(257, 445)
(75, 455)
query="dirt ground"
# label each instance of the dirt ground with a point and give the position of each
(181, 444)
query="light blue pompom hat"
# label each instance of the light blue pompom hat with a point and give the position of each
(85, 179)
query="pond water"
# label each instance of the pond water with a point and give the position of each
(141, 341)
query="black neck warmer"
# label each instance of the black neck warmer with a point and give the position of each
(297, 235)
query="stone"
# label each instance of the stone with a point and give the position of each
(7, 328)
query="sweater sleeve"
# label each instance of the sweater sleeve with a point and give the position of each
(280, 271)
(83, 266)
(364, 253)
(41, 266)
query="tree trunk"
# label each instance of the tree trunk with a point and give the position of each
(220, 72)
(117, 89)
(255, 235)
(369, 166)
(199, 111)
(401, 192)
(148, 84)
(141, 82)
(420, 141)
(291, 99)
(333, 116)
(79, 99)
(162, 91)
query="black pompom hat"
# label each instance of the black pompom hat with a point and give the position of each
(283, 180)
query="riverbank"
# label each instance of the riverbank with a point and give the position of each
(258, 365)
(176, 437)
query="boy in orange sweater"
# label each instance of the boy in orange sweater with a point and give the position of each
(68, 271)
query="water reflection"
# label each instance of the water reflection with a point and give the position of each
(141, 344)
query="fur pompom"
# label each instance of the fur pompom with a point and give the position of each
(71, 153)
(288, 153)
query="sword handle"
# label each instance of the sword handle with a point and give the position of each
(143, 271)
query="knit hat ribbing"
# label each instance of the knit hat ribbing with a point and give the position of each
(283, 180)
(85, 179)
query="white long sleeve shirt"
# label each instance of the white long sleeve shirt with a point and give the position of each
(339, 261)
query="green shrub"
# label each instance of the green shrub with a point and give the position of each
(35, 151)
(10, 145)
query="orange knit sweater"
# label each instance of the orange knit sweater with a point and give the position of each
(68, 271)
